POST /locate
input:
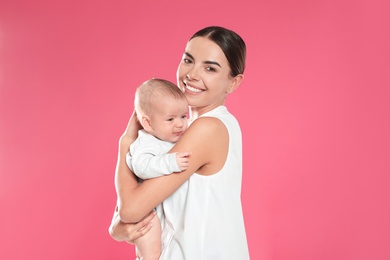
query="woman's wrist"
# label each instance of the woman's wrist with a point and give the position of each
(116, 229)
(124, 142)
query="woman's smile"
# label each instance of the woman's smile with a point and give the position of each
(192, 88)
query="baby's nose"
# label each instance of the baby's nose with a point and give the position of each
(179, 124)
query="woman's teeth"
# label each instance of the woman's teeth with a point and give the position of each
(193, 89)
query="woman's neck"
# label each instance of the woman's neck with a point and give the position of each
(196, 112)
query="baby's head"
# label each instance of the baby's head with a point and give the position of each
(162, 109)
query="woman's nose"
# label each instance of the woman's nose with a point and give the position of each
(193, 74)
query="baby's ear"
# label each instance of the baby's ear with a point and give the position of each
(145, 122)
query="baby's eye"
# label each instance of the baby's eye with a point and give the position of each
(170, 119)
(184, 116)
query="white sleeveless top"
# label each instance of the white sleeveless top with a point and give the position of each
(203, 219)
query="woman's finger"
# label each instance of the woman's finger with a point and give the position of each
(139, 229)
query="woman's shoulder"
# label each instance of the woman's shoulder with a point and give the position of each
(205, 132)
(207, 125)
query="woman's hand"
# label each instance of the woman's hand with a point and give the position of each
(130, 231)
(131, 132)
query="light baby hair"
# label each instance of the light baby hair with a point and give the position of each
(152, 90)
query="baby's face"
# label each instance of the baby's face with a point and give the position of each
(169, 119)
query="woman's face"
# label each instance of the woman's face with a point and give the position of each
(203, 74)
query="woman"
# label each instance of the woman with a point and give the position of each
(202, 205)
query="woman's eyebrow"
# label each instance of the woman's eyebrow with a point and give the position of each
(189, 55)
(205, 62)
(212, 62)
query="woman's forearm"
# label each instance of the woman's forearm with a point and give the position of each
(125, 183)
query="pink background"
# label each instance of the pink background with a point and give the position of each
(314, 110)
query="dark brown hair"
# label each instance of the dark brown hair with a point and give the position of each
(232, 45)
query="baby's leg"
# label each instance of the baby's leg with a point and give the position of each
(149, 246)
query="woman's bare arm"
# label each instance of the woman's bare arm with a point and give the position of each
(206, 139)
(125, 180)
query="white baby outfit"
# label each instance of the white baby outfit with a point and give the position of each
(148, 157)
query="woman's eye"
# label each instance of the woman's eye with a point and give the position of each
(187, 61)
(210, 69)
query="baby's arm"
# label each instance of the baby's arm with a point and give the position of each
(148, 165)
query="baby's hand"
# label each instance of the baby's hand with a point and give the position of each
(182, 160)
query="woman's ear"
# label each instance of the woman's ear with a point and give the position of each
(235, 83)
(146, 123)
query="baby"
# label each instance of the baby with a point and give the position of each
(162, 110)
